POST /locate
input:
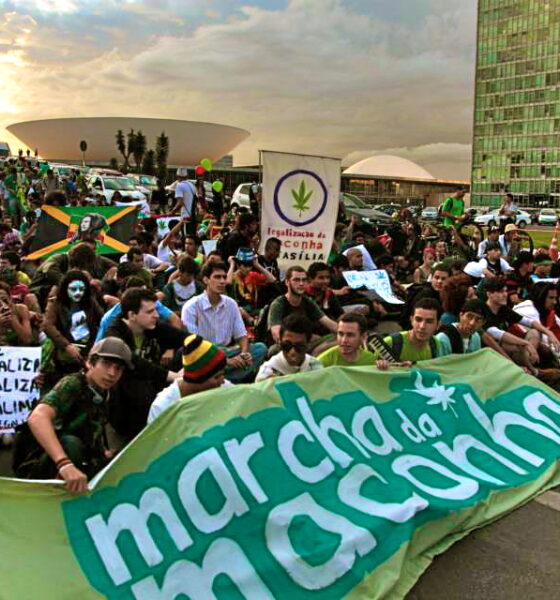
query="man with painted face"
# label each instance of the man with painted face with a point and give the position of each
(65, 435)
(295, 334)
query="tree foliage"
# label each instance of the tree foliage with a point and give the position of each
(162, 152)
(149, 163)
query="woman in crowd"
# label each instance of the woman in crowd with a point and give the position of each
(71, 321)
(15, 325)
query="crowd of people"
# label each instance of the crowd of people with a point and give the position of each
(122, 340)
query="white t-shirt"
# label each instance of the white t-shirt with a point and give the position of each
(186, 191)
(183, 292)
(79, 327)
(168, 396)
(150, 261)
(164, 253)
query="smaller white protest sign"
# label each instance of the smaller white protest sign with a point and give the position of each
(209, 246)
(18, 368)
(377, 281)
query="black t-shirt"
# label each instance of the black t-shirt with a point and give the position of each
(504, 318)
(281, 308)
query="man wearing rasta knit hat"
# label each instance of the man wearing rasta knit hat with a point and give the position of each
(204, 366)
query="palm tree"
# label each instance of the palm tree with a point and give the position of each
(139, 149)
(149, 163)
(121, 146)
(162, 152)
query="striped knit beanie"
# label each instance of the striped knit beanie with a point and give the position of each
(201, 359)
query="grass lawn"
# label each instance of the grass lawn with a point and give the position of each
(541, 238)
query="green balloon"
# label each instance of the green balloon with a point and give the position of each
(207, 164)
(217, 186)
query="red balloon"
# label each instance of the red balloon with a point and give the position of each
(200, 170)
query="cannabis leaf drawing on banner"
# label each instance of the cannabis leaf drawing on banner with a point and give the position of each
(301, 198)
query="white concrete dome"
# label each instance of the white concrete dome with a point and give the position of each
(189, 141)
(385, 165)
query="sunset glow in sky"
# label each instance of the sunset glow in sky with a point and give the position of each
(345, 78)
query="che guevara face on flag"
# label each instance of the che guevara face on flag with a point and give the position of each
(59, 228)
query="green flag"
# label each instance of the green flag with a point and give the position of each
(342, 483)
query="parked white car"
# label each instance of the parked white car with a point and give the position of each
(492, 218)
(103, 188)
(144, 183)
(240, 196)
(547, 216)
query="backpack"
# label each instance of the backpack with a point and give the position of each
(260, 328)
(454, 337)
(397, 343)
(444, 206)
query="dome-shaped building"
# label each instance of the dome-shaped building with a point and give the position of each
(386, 165)
(384, 178)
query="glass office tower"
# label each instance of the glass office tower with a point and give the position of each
(516, 145)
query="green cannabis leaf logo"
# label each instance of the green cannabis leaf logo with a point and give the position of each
(301, 198)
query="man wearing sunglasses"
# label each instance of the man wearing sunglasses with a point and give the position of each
(295, 333)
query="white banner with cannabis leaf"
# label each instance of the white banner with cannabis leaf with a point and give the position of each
(300, 205)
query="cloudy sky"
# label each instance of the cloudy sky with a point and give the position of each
(345, 78)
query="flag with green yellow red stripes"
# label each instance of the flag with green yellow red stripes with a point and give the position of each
(59, 228)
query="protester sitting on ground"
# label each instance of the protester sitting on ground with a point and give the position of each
(542, 267)
(152, 345)
(147, 261)
(541, 306)
(295, 335)
(509, 240)
(351, 336)
(296, 302)
(183, 287)
(204, 366)
(355, 259)
(518, 281)
(432, 289)
(493, 235)
(493, 265)
(239, 237)
(216, 317)
(65, 434)
(166, 316)
(423, 272)
(464, 336)
(171, 245)
(499, 318)
(82, 256)
(246, 277)
(455, 292)
(418, 343)
(71, 322)
(319, 290)
(18, 291)
(15, 323)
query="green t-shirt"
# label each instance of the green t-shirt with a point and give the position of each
(455, 206)
(332, 357)
(410, 352)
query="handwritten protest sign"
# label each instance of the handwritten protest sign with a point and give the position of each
(377, 281)
(18, 369)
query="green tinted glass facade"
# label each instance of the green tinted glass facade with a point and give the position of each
(516, 144)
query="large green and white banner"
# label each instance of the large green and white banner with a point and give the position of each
(343, 483)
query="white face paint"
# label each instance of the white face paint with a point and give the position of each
(86, 222)
(76, 290)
